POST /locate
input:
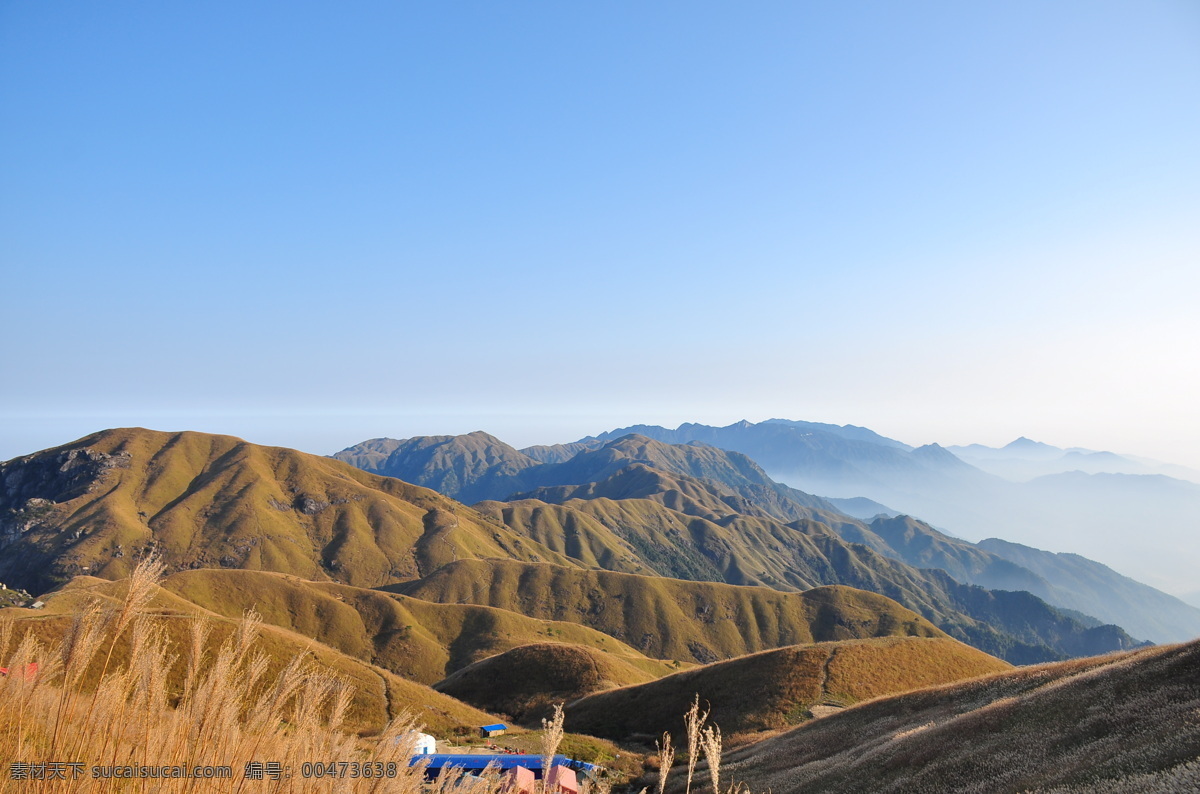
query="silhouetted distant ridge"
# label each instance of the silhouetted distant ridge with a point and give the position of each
(1029, 447)
(1075, 582)
(846, 431)
(862, 508)
(560, 453)
(468, 468)
(816, 459)
(939, 456)
(1024, 459)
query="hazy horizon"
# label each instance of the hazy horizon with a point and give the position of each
(290, 430)
(303, 225)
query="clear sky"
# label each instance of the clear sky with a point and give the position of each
(313, 223)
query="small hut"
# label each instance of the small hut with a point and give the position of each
(424, 744)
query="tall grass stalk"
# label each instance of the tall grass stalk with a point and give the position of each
(552, 734)
(692, 721)
(666, 758)
(711, 740)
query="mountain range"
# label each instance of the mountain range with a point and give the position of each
(639, 500)
(721, 498)
(1089, 514)
(611, 572)
(216, 504)
(1025, 459)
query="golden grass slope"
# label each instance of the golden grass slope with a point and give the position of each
(379, 695)
(755, 550)
(675, 535)
(669, 618)
(570, 532)
(91, 507)
(416, 639)
(777, 688)
(1127, 722)
(525, 682)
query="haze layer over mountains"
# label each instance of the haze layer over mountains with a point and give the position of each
(1126, 513)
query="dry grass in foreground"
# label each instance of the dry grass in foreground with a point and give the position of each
(116, 694)
(115, 706)
(71, 727)
(1125, 723)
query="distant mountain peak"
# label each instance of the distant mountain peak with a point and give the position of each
(483, 434)
(937, 454)
(1027, 443)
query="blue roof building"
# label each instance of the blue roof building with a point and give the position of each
(475, 763)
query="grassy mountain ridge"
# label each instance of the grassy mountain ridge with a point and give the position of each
(572, 533)
(90, 507)
(745, 550)
(668, 618)
(1118, 723)
(777, 688)
(697, 479)
(921, 545)
(732, 470)
(417, 639)
(526, 681)
(684, 494)
(478, 467)
(712, 526)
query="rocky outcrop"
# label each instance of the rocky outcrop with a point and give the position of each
(32, 487)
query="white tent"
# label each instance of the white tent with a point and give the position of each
(423, 743)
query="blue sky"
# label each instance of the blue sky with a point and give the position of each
(309, 224)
